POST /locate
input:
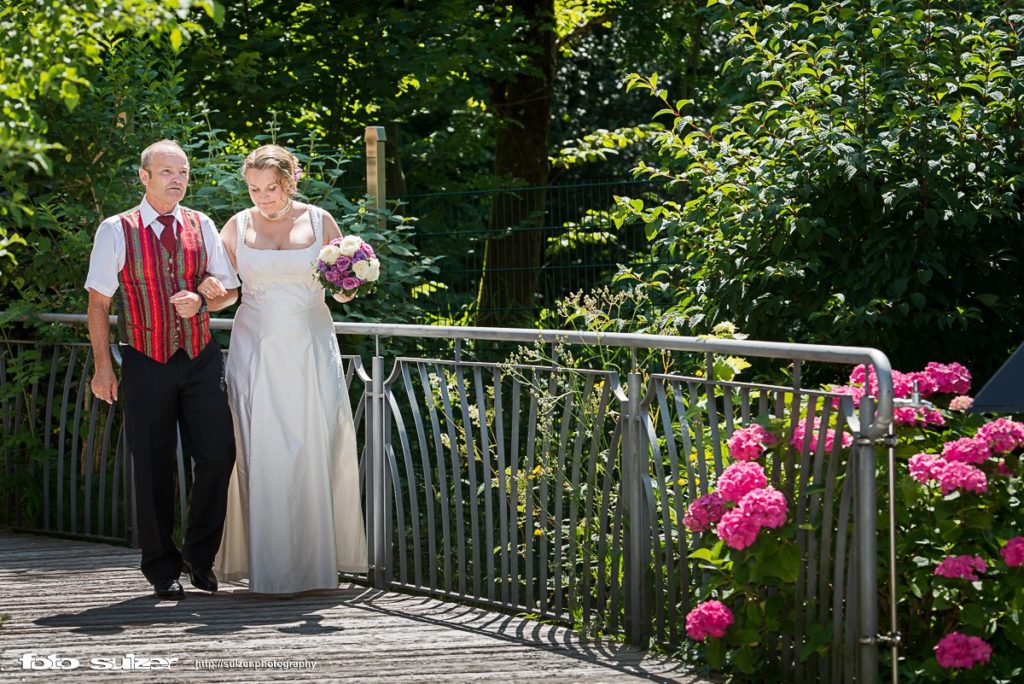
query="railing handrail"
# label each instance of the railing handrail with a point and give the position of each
(795, 351)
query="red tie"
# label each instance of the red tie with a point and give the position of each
(167, 236)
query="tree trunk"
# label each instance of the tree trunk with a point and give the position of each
(514, 250)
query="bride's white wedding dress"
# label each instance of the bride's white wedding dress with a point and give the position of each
(294, 518)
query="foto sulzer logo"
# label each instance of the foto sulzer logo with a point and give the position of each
(129, 661)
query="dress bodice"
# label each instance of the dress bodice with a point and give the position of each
(280, 279)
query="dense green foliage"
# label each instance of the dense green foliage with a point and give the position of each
(861, 182)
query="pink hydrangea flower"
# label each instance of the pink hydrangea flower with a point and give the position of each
(740, 478)
(799, 432)
(926, 384)
(908, 415)
(956, 650)
(704, 512)
(961, 567)
(960, 403)
(949, 378)
(967, 450)
(1013, 552)
(922, 466)
(852, 391)
(737, 529)
(766, 507)
(953, 475)
(1002, 435)
(748, 443)
(710, 618)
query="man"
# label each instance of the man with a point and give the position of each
(154, 257)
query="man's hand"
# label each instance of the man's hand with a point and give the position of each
(186, 304)
(104, 385)
(211, 288)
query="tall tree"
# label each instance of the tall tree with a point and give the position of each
(521, 102)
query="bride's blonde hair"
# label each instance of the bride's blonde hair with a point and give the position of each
(283, 163)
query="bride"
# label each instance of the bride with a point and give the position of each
(294, 517)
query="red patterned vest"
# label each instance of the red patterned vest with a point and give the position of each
(150, 276)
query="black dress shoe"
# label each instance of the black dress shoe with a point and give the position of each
(201, 579)
(168, 589)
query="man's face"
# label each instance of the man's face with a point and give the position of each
(166, 178)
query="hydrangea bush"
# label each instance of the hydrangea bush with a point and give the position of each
(960, 538)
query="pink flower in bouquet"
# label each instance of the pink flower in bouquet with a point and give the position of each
(961, 567)
(960, 403)
(799, 433)
(967, 450)
(1002, 435)
(956, 650)
(949, 378)
(748, 443)
(766, 507)
(737, 529)
(711, 618)
(704, 512)
(347, 264)
(740, 478)
(1013, 552)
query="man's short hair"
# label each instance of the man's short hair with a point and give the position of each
(152, 149)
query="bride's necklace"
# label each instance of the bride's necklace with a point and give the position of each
(275, 215)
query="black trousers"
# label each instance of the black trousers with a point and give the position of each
(158, 397)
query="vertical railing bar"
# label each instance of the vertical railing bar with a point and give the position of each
(709, 394)
(682, 578)
(460, 513)
(442, 479)
(414, 512)
(528, 525)
(605, 589)
(486, 479)
(560, 478)
(867, 546)
(594, 530)
(666, 584)
(503, 497)
(513, 463)
(698, 441)
(62, 443)
(573, 580)
(745, 405)
(471, 501)
(75, 458)
(89, 457)
(689, 457)
(428, 486)
(108, 427)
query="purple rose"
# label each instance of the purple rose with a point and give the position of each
(342, 264)
(323, 267)
(360, 255)
(370, 254)
(334, 277)
(350, 283)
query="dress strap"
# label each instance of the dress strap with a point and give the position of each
(316, 219)
(242, 224)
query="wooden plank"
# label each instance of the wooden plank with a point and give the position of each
(69, 599)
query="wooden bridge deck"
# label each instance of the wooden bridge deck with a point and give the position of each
(88, 602)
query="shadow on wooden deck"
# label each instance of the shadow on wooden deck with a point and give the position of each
(72, 601)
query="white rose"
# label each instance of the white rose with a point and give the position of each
(329, 254)
(361, 269)
(349, 245)
(374, 271)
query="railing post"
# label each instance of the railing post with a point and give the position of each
(867, 546)
(377, 469)
(634, 469)
(375, 176)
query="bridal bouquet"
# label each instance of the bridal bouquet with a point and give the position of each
(347, 265)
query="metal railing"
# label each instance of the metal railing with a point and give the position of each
(531, 487)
